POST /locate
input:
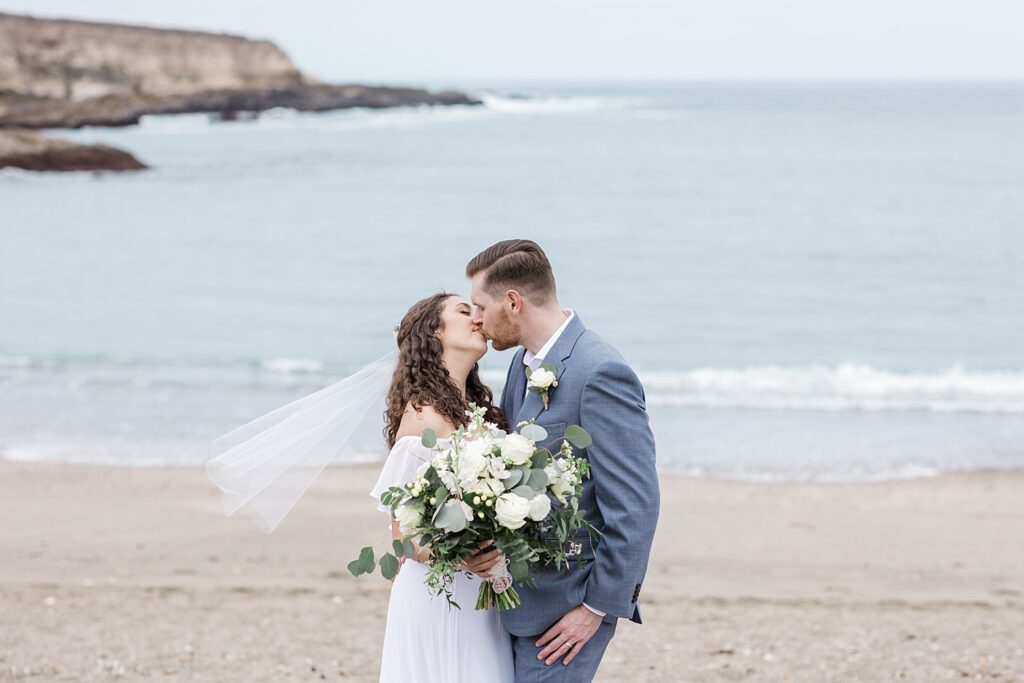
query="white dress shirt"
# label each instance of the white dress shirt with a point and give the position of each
(534, 360)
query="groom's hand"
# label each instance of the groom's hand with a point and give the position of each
(481, 563)
(568, 636)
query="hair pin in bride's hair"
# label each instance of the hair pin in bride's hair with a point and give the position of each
(395, 331)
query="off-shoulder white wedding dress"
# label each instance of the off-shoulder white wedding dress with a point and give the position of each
(426, 641)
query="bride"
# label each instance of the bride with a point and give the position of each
(266, 465)
(435, 379)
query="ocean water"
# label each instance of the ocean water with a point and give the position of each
(815, 281)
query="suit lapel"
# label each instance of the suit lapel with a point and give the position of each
(533, 406)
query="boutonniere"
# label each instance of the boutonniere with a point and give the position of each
(541, 381)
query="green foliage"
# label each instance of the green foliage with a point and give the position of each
(429, 438)
(515, 476)
(538, 480)
(534, 432)
(524, 492)
(364, 564)
(540, 458)
(578, 436)
(388, 565)
(451, 518)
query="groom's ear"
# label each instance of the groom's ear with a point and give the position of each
(515, 300)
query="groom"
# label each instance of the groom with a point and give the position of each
(561, 630)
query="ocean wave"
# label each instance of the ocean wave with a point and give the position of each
(843, 387)
(176, 123)
(847, 386)
(292, 364)
(550, 104)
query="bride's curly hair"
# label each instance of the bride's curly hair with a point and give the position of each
(421, 379)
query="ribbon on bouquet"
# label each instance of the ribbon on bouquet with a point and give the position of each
(500, 578)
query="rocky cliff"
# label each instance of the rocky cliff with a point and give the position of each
(79, 60)
(60, 73)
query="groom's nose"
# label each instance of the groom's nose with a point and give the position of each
(477, 318)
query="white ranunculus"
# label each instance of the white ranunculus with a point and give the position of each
(542, 379)
(560, 482)
(409, 518)
(511, 510)
(471, 463)
(497, 467)
(497, 486)
(449, 481)
(481, 487)
(516, 449)
(540, 506)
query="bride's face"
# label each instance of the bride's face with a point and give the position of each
(460, 332)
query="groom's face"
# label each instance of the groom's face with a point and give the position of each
(493, 315)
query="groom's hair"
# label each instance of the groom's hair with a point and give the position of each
(515, 264)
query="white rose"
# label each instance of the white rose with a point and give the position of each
(542, 379)
(511, 510)
(516, 449)
(409, 519)
(540, 506)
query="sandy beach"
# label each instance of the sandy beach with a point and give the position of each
(135, 574)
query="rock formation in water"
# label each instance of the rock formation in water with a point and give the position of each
(33, 151)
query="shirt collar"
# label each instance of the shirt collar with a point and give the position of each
(529, 358)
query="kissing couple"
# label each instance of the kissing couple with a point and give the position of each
(566, 619)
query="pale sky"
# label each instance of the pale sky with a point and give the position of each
(434, 41)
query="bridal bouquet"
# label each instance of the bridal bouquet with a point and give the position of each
(488, 484)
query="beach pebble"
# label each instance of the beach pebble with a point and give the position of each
(50, 601)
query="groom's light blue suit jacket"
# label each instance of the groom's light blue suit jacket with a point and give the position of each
(598, 391)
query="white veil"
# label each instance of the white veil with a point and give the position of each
(265, 466)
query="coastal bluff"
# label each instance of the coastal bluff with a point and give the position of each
(60, 73)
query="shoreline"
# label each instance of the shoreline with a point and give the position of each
(111, 568)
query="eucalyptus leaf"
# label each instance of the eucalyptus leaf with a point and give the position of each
(515, 476)
(541, 456)
(450, 517)
(388, 566)
(355, 567)
(578, 436)
(399, 548)
(409, 548)
(366, 559)
(524, 492)
(538, 479)
(534, 432)
(429, 438)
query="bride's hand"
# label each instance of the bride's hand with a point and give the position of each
(481, 563)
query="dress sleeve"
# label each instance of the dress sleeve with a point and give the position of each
(400, 468)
